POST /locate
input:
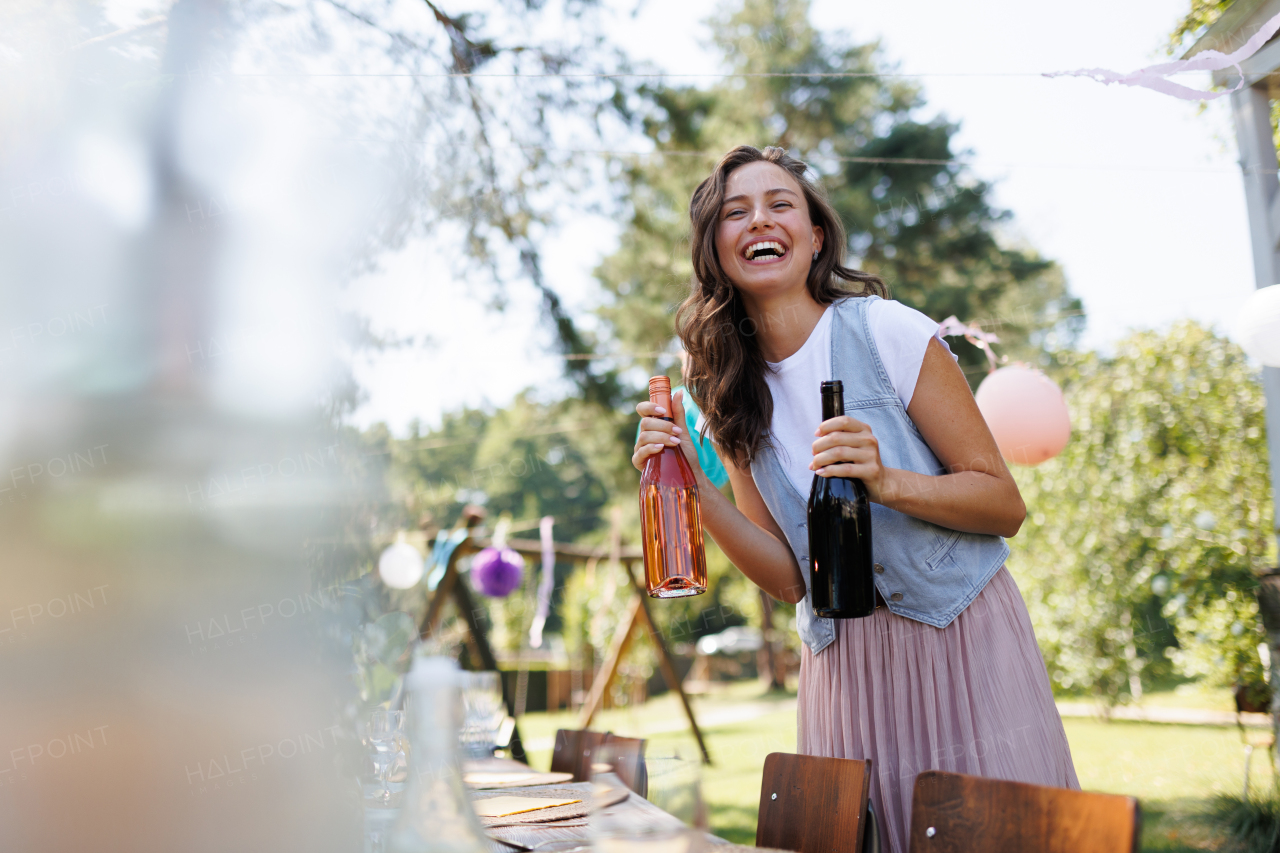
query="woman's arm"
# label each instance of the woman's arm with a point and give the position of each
(979, 495)
(747, 533)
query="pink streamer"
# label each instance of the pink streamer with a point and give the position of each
(546, 584)
(1153, 76)
(973, 334)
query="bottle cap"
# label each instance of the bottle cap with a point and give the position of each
(832, 385)
(660, 393)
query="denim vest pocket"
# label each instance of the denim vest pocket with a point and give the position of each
(948, 545)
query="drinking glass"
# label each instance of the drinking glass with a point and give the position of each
(385, 734)
(674, 771)
(671, 773)
(482, 712)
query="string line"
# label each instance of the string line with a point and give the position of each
(662, 75)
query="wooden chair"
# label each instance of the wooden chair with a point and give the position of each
(1255, 701)
(575, 750)
(627, 754)
(814, 805)
(951, 813)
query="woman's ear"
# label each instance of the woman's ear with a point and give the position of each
(817, 238)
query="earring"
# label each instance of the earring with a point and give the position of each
(815, 254)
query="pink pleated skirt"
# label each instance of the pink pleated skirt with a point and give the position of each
(973, 698)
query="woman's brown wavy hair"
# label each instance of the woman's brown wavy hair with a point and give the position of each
(725, 369)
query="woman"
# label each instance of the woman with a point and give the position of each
(946, 673)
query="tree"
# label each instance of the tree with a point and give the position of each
(1202, 15)
(467, 110)
(526, 460)
(1138, 555)
(915, 216)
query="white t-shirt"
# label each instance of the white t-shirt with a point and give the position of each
(901, 335)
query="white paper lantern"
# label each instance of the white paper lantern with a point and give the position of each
(1259, 325)
(400, 566)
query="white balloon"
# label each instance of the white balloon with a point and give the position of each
(400, 566)
(1259, 325)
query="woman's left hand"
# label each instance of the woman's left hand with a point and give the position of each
(846, 448)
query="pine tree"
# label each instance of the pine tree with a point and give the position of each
(915, 216)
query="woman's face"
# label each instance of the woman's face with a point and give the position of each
(764, 237)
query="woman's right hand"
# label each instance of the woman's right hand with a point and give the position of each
(657, 434)
(746, 532)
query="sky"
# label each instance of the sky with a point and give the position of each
(1136, 194)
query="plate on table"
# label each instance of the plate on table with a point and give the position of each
(512, 779)
(581, 792)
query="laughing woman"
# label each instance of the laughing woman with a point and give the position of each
(946, 673)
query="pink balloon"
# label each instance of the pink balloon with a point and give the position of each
(1026, 413)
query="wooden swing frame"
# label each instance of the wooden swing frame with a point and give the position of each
(637, 615)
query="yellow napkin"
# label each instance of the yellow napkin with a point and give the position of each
(503, 806)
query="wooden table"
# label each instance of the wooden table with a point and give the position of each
(634, 809)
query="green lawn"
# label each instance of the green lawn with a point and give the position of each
(1191, 695)
(1172, 769)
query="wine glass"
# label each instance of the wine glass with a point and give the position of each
(670, 773)
(674, 772)
(385, 733)
(483, 712)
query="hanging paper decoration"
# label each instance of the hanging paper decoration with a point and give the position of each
(546, 584)
(497, 571)
(400, 565)
(445, 545)
(1156, 76)
(973, 334)
(1259, 325)
(1026, 414)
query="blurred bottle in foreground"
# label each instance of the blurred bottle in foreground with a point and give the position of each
(437, 816)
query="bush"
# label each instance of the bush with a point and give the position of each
(1142, 539)
(1251, 826)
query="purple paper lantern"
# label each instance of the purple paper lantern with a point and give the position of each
(497, 571)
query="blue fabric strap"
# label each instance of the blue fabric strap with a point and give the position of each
(707, 457)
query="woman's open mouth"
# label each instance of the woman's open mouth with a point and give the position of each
(763, 251)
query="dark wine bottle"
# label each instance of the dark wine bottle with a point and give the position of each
(842, 585)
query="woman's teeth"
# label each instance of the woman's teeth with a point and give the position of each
(768, 249)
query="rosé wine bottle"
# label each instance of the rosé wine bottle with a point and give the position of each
(675, 564)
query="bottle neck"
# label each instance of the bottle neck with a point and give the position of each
(832, 404)
(433, 717)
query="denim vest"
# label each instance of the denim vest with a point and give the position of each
(925, 572)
